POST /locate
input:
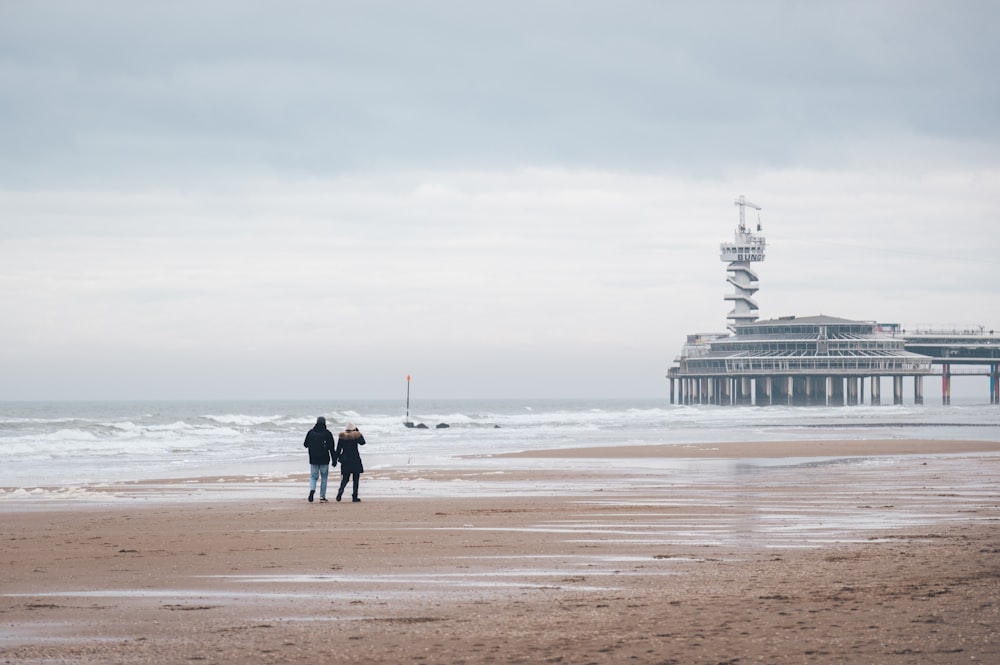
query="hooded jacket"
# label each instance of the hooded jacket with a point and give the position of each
(319, 441)
(347, 450)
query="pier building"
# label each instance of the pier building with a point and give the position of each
(814, 360)
(798, 361)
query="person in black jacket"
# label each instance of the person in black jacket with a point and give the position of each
(350, 459)
(319, 441)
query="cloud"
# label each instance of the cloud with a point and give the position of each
(182, 92)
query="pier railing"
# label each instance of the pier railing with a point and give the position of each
(811, 365)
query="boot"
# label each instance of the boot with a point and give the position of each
(311, 492)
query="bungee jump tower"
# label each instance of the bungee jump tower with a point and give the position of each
(791, 360)
(745, 249)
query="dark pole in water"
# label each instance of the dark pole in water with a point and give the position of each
(407, 422)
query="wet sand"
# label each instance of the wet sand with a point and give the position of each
(772, 449)
(895, 560)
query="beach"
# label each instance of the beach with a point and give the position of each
(776, 552)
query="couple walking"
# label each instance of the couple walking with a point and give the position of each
(322, 452)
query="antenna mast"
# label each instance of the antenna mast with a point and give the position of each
(742, 204)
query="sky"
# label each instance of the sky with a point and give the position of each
(520, 199)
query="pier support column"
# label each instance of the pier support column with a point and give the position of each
(918, 390)
(897, 390)
(995, 383)
(791, 390)
(946, 384)
(671, 391)
(829, 390)
(876, 390)
(763, 391)
(838, 398)
(852, 391)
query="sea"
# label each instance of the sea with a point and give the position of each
(74, 443)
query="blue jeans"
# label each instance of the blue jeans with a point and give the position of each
(317, 471)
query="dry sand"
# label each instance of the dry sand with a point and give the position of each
(890, 562)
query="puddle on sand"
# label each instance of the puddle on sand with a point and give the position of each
(190, 594)
(37, 633)
(514, 579)
(578, 560)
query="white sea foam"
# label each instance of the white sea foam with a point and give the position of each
(58, 494)
(62, 444)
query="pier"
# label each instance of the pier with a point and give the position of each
(818, 360)
(828, 361)
(801, 361)
(972, 351)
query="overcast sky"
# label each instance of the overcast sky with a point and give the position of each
(507, 199)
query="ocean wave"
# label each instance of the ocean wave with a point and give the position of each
(99, 441)
(244, 420)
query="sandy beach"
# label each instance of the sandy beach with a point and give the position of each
(892, 560)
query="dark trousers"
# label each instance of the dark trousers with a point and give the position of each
(343, 483)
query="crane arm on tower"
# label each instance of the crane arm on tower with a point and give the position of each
(742, 204)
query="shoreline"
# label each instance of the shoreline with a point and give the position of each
(726, 450)
(541, 473)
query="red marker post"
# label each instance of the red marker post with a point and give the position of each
(407, 421)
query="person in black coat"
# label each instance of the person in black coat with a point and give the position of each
(319, 441)
(350, 459)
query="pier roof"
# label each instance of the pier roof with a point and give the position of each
(817, 320)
